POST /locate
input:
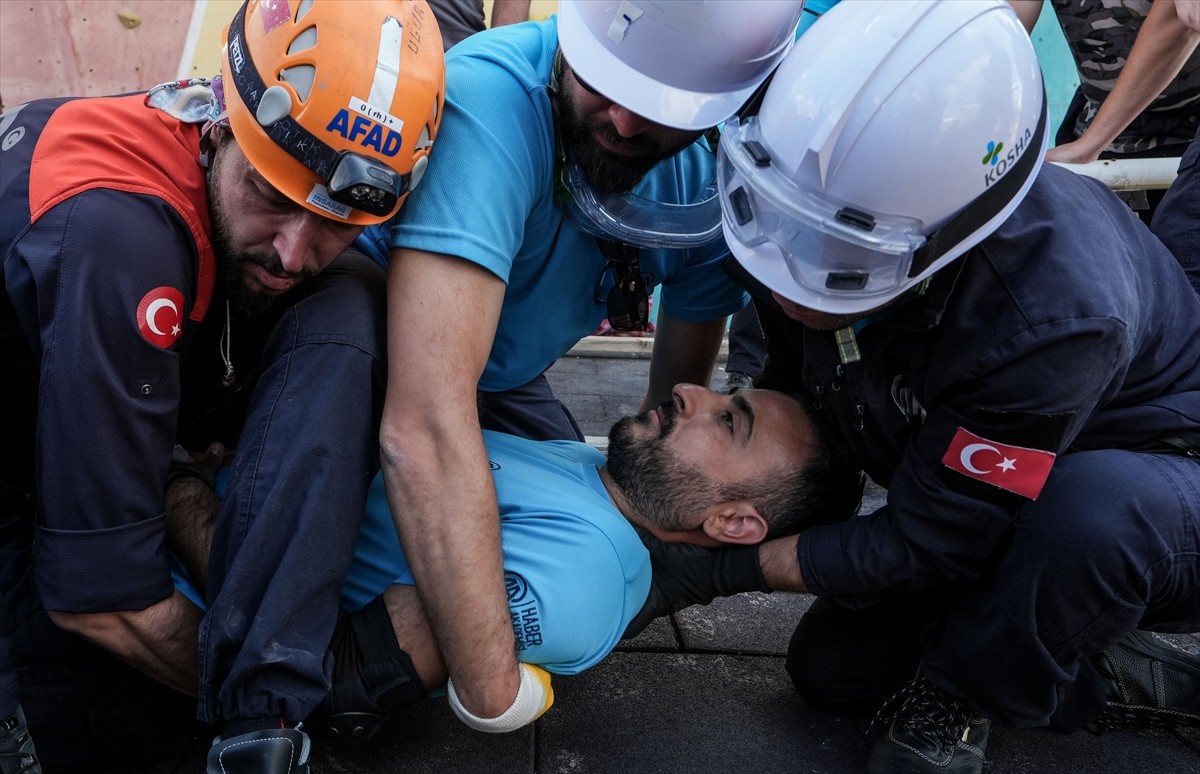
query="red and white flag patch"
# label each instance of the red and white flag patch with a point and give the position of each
(1015, 468)
(160, 316)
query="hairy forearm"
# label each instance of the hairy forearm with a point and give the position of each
(780, 568)
(160, 641)
(435, 466)
(509, 12)
(444, 505)
(191, 514)
(683, 353)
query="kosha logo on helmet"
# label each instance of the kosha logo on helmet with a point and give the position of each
(1001, 164)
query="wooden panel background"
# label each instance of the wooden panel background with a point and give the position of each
(53, 48)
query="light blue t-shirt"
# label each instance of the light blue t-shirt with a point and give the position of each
(575, 570)
(488, 197)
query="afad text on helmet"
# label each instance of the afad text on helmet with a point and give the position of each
(1002, 165)
(385, 142)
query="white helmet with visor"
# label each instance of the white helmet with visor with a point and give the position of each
(894, 137)
(685, 65)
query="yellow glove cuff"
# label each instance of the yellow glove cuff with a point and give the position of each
(534, 697)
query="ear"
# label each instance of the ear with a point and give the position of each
(216, 134)
(736, 522)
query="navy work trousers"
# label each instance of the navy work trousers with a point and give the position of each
(295, 498)
(307, 450)
(1111, 545)
(1177, 219)
(529, 411)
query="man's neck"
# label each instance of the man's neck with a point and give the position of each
(621, 501)
(638, 519)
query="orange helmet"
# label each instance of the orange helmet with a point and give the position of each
(337, 106)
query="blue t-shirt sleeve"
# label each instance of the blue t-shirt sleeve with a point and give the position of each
(489, 156)
(700, 290)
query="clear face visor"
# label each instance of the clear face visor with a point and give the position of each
(640, 221)
(828, 249)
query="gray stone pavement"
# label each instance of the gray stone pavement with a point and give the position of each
(701, 692)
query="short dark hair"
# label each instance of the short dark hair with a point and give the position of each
(827, 489)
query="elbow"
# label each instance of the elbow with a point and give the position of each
(90, 626)
(408, 441)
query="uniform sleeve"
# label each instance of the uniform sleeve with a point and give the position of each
(1033, 390)
(108, 396)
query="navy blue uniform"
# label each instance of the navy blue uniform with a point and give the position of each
(1061, 349)
(111, 325)
(1177, 219)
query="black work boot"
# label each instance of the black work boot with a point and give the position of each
(1151, 683)
(277, 751)
(16, 746)
(925, 730)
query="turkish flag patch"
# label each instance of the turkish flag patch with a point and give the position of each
(160, 316)
(1015, 468)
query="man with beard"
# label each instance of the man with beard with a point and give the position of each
(701, 469)
(1021, 377)
(571, 179)
(170, 278)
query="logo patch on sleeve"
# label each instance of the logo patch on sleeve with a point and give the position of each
(160, 316)
(1017, 469)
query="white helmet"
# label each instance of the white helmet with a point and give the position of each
(687, 65)
(893, 138)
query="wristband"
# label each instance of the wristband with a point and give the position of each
(180, 470)
(534, 697)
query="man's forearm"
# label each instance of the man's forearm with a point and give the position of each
(435, 466)
(509, 12)
(191, 513)
(449, 525)
(683, 353)
(160, 641)
(1162, 47)
(779, 565)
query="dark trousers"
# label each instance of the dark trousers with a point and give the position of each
(1144, 203)
(1177, 219)
(307, 450)
(296, 495)
(1111, 545)
(747, 347)
(529, 411)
